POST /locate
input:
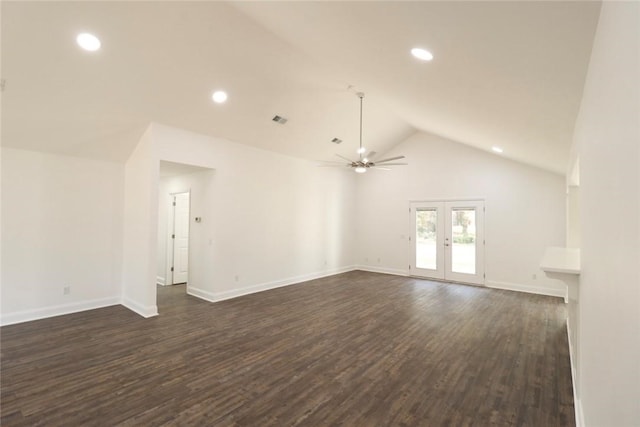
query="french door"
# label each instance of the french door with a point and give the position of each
(447, 240)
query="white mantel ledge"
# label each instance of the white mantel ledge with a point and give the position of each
(561, 260)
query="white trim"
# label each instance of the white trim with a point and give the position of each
(56, 310)
(143, 311)
(398, 272)
(560, 293)
(160, 281)
(202, 294)
(383, 270)
(489, 283)
(234, 293)
(577, 404)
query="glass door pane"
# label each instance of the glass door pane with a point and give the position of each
(427, 252)
(426, 238)
(463, 240)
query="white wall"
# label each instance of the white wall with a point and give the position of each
(140, 228)
(269, 219)
(61, 226)
(607, 136)
(524, 209)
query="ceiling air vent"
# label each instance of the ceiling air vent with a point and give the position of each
(279, 119)
(336, 140)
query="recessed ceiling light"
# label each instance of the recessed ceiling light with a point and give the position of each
(88, 42)
(496, 149)
(219, 96)
(422, 54)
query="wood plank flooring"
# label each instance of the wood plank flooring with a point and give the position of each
(356, 349)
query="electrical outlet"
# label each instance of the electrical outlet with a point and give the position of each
(534, 276)
(378, 260)
(66, 290)
(237, 277)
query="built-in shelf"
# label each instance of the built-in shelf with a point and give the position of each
(564, 264)
(561, 260)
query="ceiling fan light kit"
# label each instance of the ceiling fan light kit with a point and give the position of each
(364, 161)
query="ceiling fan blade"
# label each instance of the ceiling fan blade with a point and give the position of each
(392, 164)
(390, 158)
(329, 162)
(342, 157)
(341, 165)
(379, 168)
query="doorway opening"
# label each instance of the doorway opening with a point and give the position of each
(183, 197)
(447, 240)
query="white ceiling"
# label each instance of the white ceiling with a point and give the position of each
(505, 73)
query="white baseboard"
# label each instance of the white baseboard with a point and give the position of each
(577, 404)
(234, 293)
(202, 294)
(160, 281)
(560, 293)
(384, 270)
(144, 311)
(56, 310)
(579, 414)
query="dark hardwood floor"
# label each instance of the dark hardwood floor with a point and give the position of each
(356, 349)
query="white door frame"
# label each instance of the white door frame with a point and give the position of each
(444, 246)
(170, 231)
(438, 272)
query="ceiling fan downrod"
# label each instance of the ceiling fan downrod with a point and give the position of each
(364, 161)
(360, 166)
(360, 150)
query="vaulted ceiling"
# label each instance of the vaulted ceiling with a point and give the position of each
(505, 73)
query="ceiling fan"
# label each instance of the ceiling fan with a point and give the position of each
(365, 161)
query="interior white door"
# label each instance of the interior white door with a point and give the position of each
(180, 238)
(447, 240)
